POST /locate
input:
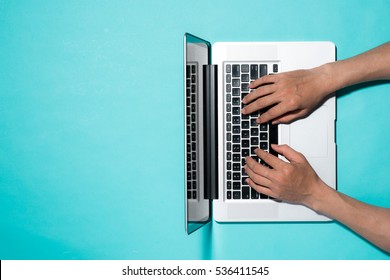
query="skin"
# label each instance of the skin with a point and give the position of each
(294, 95)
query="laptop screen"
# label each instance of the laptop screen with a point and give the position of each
(198, 207)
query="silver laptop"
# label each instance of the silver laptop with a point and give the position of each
(218, 137)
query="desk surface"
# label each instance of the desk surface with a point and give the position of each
(91, 127)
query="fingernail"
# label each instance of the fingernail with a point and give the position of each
(258, 120)
(243, 111)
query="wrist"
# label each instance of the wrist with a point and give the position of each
(328, 79)
(320, 197)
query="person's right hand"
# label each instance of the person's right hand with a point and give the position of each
(288, 96)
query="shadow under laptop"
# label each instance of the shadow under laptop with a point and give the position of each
(207, 243)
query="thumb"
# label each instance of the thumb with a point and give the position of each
(289, 153)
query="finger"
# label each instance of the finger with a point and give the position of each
(259, 188)
(270, 159)
(289, 153)
(257, 168)
(272, 113)
(259, 104)
(263, 80)
(257, 178)
(261, 91)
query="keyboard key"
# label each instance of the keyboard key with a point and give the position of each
(229, 166)
(245, 152)
(245, 78)
(245, 134)
(228, 107)
(228, 68)
(236, 129)
(236, 111)
(245, 143)
(228, 87)
(254, 131)
(263, 70)
(254, 194)
(236, 83)
(263, 127)
(263, 136)
(245, 125)
(236, 176)
(236, 167)
(264, 146)
(275, 68)
(236, 101)
(236, 157)
(228, 127)
(236, 92)
(263, 196)
(236, 148)
(228, 78)
(236, 186)
(236, 195)
(254, 141)
(236, 120)
(254, 71)
(236, 70)
(228, 117)
(253, 122)
(228, 98)
(236, 138)
(245, 68)
(245, 117)
(245, 192)
(229, 195)
(245, 86)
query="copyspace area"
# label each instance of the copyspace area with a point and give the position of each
(92, 127)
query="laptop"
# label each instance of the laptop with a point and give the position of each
(218, 137)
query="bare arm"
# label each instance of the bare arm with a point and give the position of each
(296, 94)
(296, 182)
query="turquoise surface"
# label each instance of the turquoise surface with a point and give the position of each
(91, 127)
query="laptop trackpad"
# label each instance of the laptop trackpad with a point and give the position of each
(310, 136)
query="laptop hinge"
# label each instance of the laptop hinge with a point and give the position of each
(210, 107)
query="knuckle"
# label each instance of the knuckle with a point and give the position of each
(287, 170)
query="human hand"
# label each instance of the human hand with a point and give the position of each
(289, 96)
(294, 181)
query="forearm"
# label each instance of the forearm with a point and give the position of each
(368, 66)
(371, 222)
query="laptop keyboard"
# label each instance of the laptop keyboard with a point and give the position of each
(242, 134)
(191, 127)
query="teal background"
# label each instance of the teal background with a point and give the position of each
(91, 127)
